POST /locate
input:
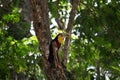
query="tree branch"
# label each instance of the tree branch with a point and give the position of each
(40, 19)
(69, 30)
(41, 26)
(59, 21)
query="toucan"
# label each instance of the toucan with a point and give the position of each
(55, 43)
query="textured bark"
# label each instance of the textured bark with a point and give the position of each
(69, 30)
(40, 19)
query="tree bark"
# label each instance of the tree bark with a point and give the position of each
(40, 19)
(69, 30)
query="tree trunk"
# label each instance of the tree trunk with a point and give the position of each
(40, 16)
(40, 19)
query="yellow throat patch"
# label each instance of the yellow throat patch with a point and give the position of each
(60, 39)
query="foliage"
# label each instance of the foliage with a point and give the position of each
(97, 28)
(96, 31)
(18, 51)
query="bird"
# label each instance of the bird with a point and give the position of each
(55, 44)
